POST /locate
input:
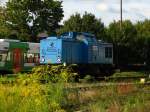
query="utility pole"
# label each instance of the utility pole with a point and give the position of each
(120, 14)
(117, 44)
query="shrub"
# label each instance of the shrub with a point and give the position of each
(27, 94)
(54, 73)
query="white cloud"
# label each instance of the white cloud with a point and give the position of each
(2, 2)
(102, 7)
(72, 6)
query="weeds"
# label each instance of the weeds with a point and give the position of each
(28, 94)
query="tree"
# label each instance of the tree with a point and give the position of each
(143, 40)
(125, 35)
(4, 31)
(86, 23)
(30, 17)
(124, 41)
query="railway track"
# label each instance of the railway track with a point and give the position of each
(99, 85)
(80, 91)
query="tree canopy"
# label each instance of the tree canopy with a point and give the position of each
(86, 23)
(4, 31)
(28, 18)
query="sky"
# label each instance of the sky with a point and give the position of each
(107, 10)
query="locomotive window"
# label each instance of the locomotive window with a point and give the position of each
(108, 52)
(87, 38)
(25, 57)
(80, 37)
(3, 56)
(8, 56)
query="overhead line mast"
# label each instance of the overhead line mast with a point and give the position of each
(120, 14)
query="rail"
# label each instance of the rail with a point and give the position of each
(99, 85)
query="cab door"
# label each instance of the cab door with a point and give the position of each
(17, 60)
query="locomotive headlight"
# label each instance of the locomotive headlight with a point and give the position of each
(58, 59)
(43, 59)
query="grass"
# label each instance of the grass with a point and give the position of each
(129, 74)
(27, 94)
(31, 96)
(130, 103)
(119, 98)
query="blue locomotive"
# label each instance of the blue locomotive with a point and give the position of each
(75, 48)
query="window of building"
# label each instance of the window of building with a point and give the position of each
(108, 52)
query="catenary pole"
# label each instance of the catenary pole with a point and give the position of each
(120, 14)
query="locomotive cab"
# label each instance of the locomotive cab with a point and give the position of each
(50, 50)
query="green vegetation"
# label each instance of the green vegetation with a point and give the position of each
(28, 93)
(86, 23)
(54, 73)
(31, 96)
(25, 19)
(122, 101)
(50, 89)
(129, 74)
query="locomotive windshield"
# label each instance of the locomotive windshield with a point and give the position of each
(85, 38)
(3, 55)
(81, 36)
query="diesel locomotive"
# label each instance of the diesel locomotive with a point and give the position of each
(77, 48)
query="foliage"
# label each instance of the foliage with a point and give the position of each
(4, 31)
(54, 73)
(26, 94)
(131, 42)
(124, 35)
(128, 74)
(28, 18)
(114, 102)
(143, 40)
(87, 79)
(124, 40)
(86, 23)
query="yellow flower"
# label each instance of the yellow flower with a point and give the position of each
(25, 92)
(38, 101)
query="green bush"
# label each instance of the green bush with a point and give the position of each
(27, 94)
(54, 73)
